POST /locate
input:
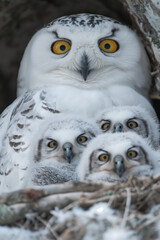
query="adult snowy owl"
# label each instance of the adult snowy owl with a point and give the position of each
(50, 146)
(115, 157)
(86, 57)
(130, 118)
(86, 51)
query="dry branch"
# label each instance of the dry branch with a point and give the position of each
(144, 192)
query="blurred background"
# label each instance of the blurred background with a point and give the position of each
(20, 19)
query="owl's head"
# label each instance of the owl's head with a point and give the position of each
(84, 50)
(63, 140)
(115, 157)
(129, 118)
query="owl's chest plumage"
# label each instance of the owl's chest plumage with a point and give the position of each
(78, 101)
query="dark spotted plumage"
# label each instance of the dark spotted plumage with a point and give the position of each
(85, 19)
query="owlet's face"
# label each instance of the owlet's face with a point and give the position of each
(121, 121)
(117, 167)
(62, 146)
(115, 158)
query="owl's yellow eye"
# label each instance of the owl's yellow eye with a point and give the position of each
(108, 46)
(131, 154)
(60, 47)
(53, 144)
(106, 126)
(82, 139)
(104, 157)
(132, 124)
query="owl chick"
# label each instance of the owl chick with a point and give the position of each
(59, 150)
(115, 157)
(130, 118)
(49, 154)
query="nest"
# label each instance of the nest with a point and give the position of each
(131, 201)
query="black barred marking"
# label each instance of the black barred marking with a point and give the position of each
(92, 134)
(43, 95)
(7, 173)
(16, 137)
(28, 110)
(90, 162)
(39, 117)
(20, 149)
(15, 110)
(146, 127)
(50, 109)
(16, 164)
(38, 156)
(3, 116)
(90, 20)
(24, 169)
(20, 125)
(16, 144)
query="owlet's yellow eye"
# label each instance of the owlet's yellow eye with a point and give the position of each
(132, 124)
(82, 139)
(106, 126)
(131, 154)
(60, 47)
(53, 144)
(108, 46)
(104, 157)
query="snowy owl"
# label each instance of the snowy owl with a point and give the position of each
(129, 118)
(89, 60)
(86, 51)
(32, 156)
(115, 157)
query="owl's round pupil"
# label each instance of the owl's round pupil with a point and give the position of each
(107, 46)
(130, 154)
(80, 139)
(104, 157)
(131, 124)
(62, 47)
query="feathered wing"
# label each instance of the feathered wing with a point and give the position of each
(22, 123)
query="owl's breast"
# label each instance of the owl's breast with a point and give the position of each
(80, 101)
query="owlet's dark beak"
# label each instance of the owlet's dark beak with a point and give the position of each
(84, 66)
(68, 151)
(118, 127)
(119, 165)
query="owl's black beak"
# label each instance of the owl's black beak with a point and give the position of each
(118, 127)
(84, 66)
(68, 151)
(119, 165)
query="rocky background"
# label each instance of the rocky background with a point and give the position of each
(20, 19)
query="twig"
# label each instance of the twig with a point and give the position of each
(154, 219)
(86, 199)
(47, 225)
(126, 212)
(9, 214)
(33, 194)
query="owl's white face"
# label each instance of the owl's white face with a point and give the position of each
(115, 157)
(86, 51)
(63, 145)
